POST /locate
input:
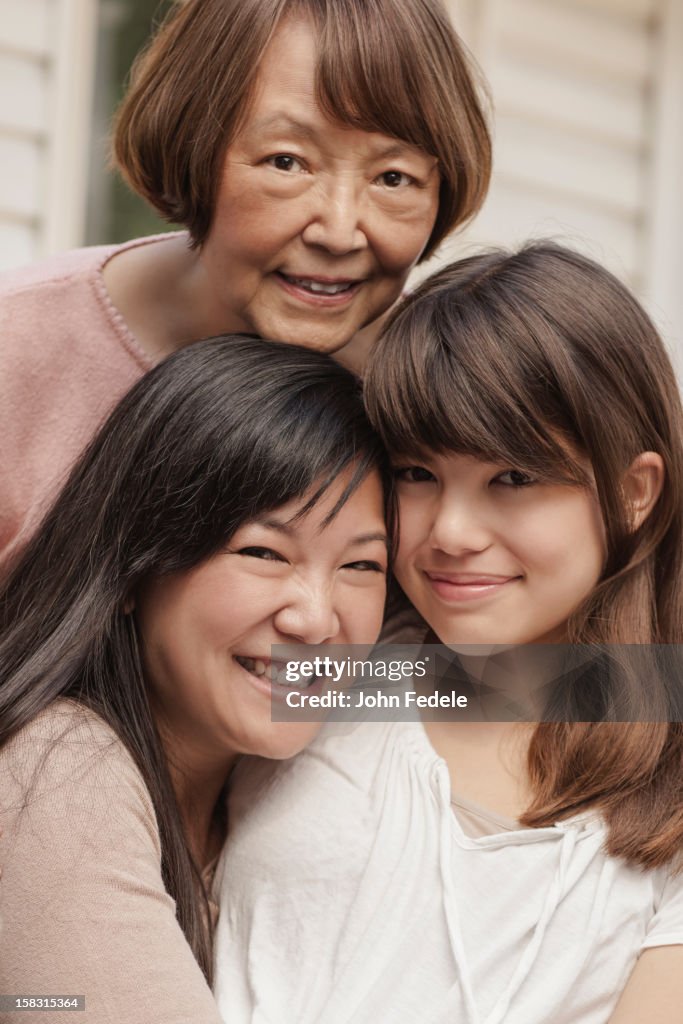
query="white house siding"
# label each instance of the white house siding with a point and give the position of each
(587, 101)
(46, 62)
(24, 53)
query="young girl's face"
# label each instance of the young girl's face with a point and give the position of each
(206, 634)
(489, 556)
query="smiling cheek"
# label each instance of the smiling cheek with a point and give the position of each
(416, 521)
(250, 236)
(558, 547)
(561, 551)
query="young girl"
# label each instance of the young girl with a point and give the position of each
(490, 872)
(233, 500)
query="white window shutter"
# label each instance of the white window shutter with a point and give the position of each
(47, 56)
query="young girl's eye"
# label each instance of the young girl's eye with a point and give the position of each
(267, 554)
(514, 478)
(413, 474)
(285, 162)
(395, 179)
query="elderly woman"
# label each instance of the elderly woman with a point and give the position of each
(314, 150)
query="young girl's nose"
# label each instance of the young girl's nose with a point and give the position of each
(458, 529)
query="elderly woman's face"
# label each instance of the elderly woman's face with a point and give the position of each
(316, 224)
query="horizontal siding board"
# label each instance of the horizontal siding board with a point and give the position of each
(26, 26)
(614, 111)
(514, 214)
(551, 159)
(639, 11)
(22, 163)
(583, 38)
(18, 244)
(23, 94)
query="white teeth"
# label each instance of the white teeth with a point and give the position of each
(320, 287)
(276, 673)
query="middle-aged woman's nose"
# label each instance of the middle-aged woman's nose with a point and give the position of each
(308, 615)
(335, 220)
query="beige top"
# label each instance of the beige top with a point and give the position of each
(83, 908)
(477, 821)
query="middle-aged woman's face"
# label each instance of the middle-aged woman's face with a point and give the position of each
(316, 224)
(206, 633)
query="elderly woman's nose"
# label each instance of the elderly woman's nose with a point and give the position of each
(336, 219)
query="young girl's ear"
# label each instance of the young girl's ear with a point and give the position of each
(641, 485)
(128, 605)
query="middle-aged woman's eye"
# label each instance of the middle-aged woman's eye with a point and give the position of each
(267, 554)
(285, 162)
(395, 179)
(365, 565)
(413, 475)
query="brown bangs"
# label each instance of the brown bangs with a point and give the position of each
(397, 67)
(446, 377)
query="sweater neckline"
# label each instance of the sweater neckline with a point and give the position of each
(111, 312)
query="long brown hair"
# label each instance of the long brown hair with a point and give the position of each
(534, 359)
(212, 437)
(390, 66)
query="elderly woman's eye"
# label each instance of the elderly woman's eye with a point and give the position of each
(395, 179)
(285, 162)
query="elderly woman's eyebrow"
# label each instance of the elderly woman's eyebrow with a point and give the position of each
(282, 122)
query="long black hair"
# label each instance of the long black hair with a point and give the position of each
(214, 436)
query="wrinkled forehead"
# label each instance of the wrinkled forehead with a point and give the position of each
(332, 60)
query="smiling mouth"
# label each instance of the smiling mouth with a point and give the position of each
(320, 287)
(461, 587)
(274, 672)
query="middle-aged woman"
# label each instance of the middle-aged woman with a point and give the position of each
(314, 151)
(234, 499)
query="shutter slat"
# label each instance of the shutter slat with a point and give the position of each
(26, 26)
(23, 94)
(22, 164)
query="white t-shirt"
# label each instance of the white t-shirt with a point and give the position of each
(350, 894)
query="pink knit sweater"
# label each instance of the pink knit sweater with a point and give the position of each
(66, 357)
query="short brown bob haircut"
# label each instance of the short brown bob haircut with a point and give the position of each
(390, 66)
